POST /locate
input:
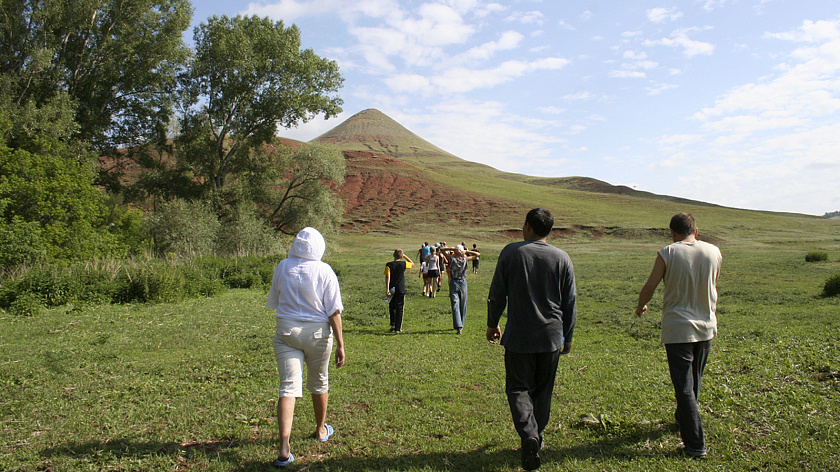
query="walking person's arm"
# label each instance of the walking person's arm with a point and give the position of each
(656, 275)
(338, 333)
(569, 296)
(496, 303)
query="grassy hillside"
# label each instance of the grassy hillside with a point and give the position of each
(400, 184)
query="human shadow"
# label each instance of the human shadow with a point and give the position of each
(625, 442)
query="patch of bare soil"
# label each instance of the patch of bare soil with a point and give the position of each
(379, 190)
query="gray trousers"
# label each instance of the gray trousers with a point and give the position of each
(686, 361)
(529, 383)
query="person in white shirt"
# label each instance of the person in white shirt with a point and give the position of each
(690, 269)
(307, 300)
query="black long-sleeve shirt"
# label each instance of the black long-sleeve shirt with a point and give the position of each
(536, 281)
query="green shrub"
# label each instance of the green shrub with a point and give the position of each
(54, 285)
(27, 304)
(163, 283)
(244, 233)
(95, 285)
(184, 229)
(199, 282)
(20, 242)
(246, 280)
(832, 285)
(150, 282)
(154, 280)
(816, 256)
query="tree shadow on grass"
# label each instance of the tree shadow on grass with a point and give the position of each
(627, 442)
(126, 448)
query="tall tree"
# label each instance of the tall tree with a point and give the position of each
(117, 59)
(247, 78)
(301, 197)
(48, 205)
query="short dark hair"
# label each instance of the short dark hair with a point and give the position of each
(683, 223)
(398, 253)
(540, 221)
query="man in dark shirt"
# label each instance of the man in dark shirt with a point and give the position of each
(536, 281)
(395, 287)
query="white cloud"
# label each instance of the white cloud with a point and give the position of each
(489, 9)
(489, 133)
(661, 15)
(508, 40)
(527, 18)
(811, 31)
(634, 55)
(291, 10)
(777, 137)
(409, 83)
(579, 96)
(566, 26)
(462, 79)
(552, 110)
(436, 25)
(416, 40)
(656, 90)
(713, 4)
(680, 39)
(627, 74)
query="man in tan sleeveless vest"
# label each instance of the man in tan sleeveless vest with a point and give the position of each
(690, 269)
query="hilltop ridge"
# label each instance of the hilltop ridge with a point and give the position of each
(397, 182)
(373, 131)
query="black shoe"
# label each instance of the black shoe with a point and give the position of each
(531, 454)
(681, 449)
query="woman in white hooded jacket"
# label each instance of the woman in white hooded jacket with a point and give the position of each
(307, 300)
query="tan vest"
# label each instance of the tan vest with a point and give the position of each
(690, 295)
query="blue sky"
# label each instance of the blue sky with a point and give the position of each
(734, 102)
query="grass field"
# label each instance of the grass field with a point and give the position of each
(192, 385)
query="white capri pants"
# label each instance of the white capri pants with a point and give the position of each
(297, 343)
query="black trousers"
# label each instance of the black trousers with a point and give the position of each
(395, 309)
(529, 383)
(686, 363)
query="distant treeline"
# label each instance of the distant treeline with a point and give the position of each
(832, 214)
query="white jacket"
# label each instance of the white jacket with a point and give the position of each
(304, 288)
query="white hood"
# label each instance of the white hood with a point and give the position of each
(309, 244)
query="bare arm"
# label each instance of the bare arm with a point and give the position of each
(646, 294)
(338, 334)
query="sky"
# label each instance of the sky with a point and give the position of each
(732, 102)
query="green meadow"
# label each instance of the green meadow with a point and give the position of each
(192, 385)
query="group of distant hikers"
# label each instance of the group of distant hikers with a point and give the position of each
(534, 283)
(435, 261)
